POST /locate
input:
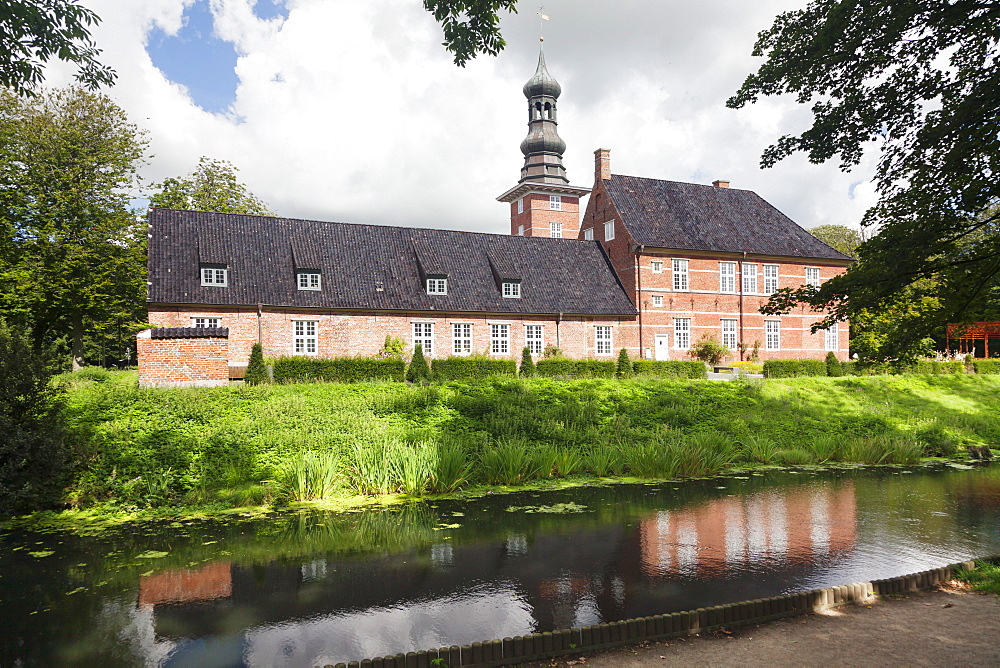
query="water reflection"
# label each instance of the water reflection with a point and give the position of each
(316, 588)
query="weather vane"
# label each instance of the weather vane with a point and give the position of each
(541, 17)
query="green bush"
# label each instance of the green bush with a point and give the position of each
(256, 373)
(936, 368)
(987, 366)
(418, 371)
(471, 368)
(527, 364)
(670, 368)
(833, 365)
(567, 368)
(623, 368)
(300, 369)
(794, 368)
(709, 350)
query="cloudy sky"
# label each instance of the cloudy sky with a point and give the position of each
(351, 110)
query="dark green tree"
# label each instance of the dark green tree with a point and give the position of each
(73, 262)
(470, 26)
(418, 371)
(918, 82)
(213, 186)
(34, 452)
(833, 365)
(256, 369)
(527, 369)
(33, 32)
(623, 367)
(840, 237)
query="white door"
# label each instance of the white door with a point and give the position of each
(662, 347)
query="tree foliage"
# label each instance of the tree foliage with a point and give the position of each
(840, 237)
(33, 32)
(73, 262)
(256, 373)
(213, 186)
(527, 369)
(470, 26)
(919, 82)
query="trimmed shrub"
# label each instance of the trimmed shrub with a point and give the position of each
(936, 368)
(709, 350)
(300, 369)
(567, 368)
(833, 365)
(623, 368)
(527, 364)
(670, 368)
(987, 366)
(471, 368)
(793, 368)
(256, 373)
(418, 371)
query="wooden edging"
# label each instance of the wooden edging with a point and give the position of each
(614, 634)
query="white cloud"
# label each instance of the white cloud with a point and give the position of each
(353, 111)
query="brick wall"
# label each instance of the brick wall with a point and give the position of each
(198, 362)
(537, 215)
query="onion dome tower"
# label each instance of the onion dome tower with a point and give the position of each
(543, 203)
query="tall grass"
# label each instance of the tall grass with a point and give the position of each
(312, 475)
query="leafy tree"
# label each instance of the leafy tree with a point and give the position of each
(73, 261)
(213, 186)
(470, 26)
(33, 32)
(833, 365)
(34, 455)
(709, 350)
(916, 81)
(840, 237)
(256, 369)
(393, 347)
(527, 369)
(418, 371)
(623, 367)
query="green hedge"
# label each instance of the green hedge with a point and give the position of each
(987, 366)
(936, 368)
(471, 368)
(794, 368)
(344, 369)
(560, 366)
(670, 369)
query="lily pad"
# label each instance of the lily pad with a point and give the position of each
(557, 508)
(151, 554)
(42, 553)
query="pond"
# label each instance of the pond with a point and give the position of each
(312, 588)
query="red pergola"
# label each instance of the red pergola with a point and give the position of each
(967, 336)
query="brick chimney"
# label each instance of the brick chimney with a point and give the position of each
(602, 164)
(720, 184)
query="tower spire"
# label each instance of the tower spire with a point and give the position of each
(542, 147)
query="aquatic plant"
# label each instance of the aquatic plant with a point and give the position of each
(312, 475)
(453, 468)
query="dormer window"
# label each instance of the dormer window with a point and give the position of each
(511, 290)
(437, 286)
(555, 202)
(308, 280)
(214, 276)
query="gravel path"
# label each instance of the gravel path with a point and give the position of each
(937, 628)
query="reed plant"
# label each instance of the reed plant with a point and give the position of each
(417, 463)
(793, 456)
(649, 460)
(543, 462)
(506, 462)
(568, 461)
(757, 448)
(703, 453)
(825, 447)
(604, 460)
(882, 450)
(453, 468)
(375, 467)
(312, 475)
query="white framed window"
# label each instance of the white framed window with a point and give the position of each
(832, 337)
(588, 234)
(770, 279)
(201, 323)
(215, 276)
(555, 230)
(304, 338)
(682, 333)
(555, 202)
(461, 338)
(772, 335)
(749, 271)
(512, 290)
(609, 230)
(657, 300)
(520, 205)
(812, 276)
(308, 280)
(728, 333)
(727, 277)
(499, 339)
(423, 335)
(520, 230)
(603, 341)
(680, 274)
(656, 266)
(533, 338)
(437, 286)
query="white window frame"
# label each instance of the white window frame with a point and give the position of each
(511, 290)
(609, 230)
(534, 338)
(727, 327)
(831, 337)
(216, 277)
(812, 276)
(680, 274)
(461, 338)
(656, 266)
(437, 286)
(727, 277)
(308, 280)
(203, 322)
(657, 300)
(305, 337)
(748, 275)
(588, 234)
(555, 202)
(682, 333)
(770, 278)
(772, 335)
(423, 334)
(520, 205)
(499, 339)
(604, 341)
(555, 229)
(520, 230)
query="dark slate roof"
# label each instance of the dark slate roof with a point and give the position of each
(688, 216)
(374, 267)
(189, 333)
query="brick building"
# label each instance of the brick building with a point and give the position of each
(654, 266)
